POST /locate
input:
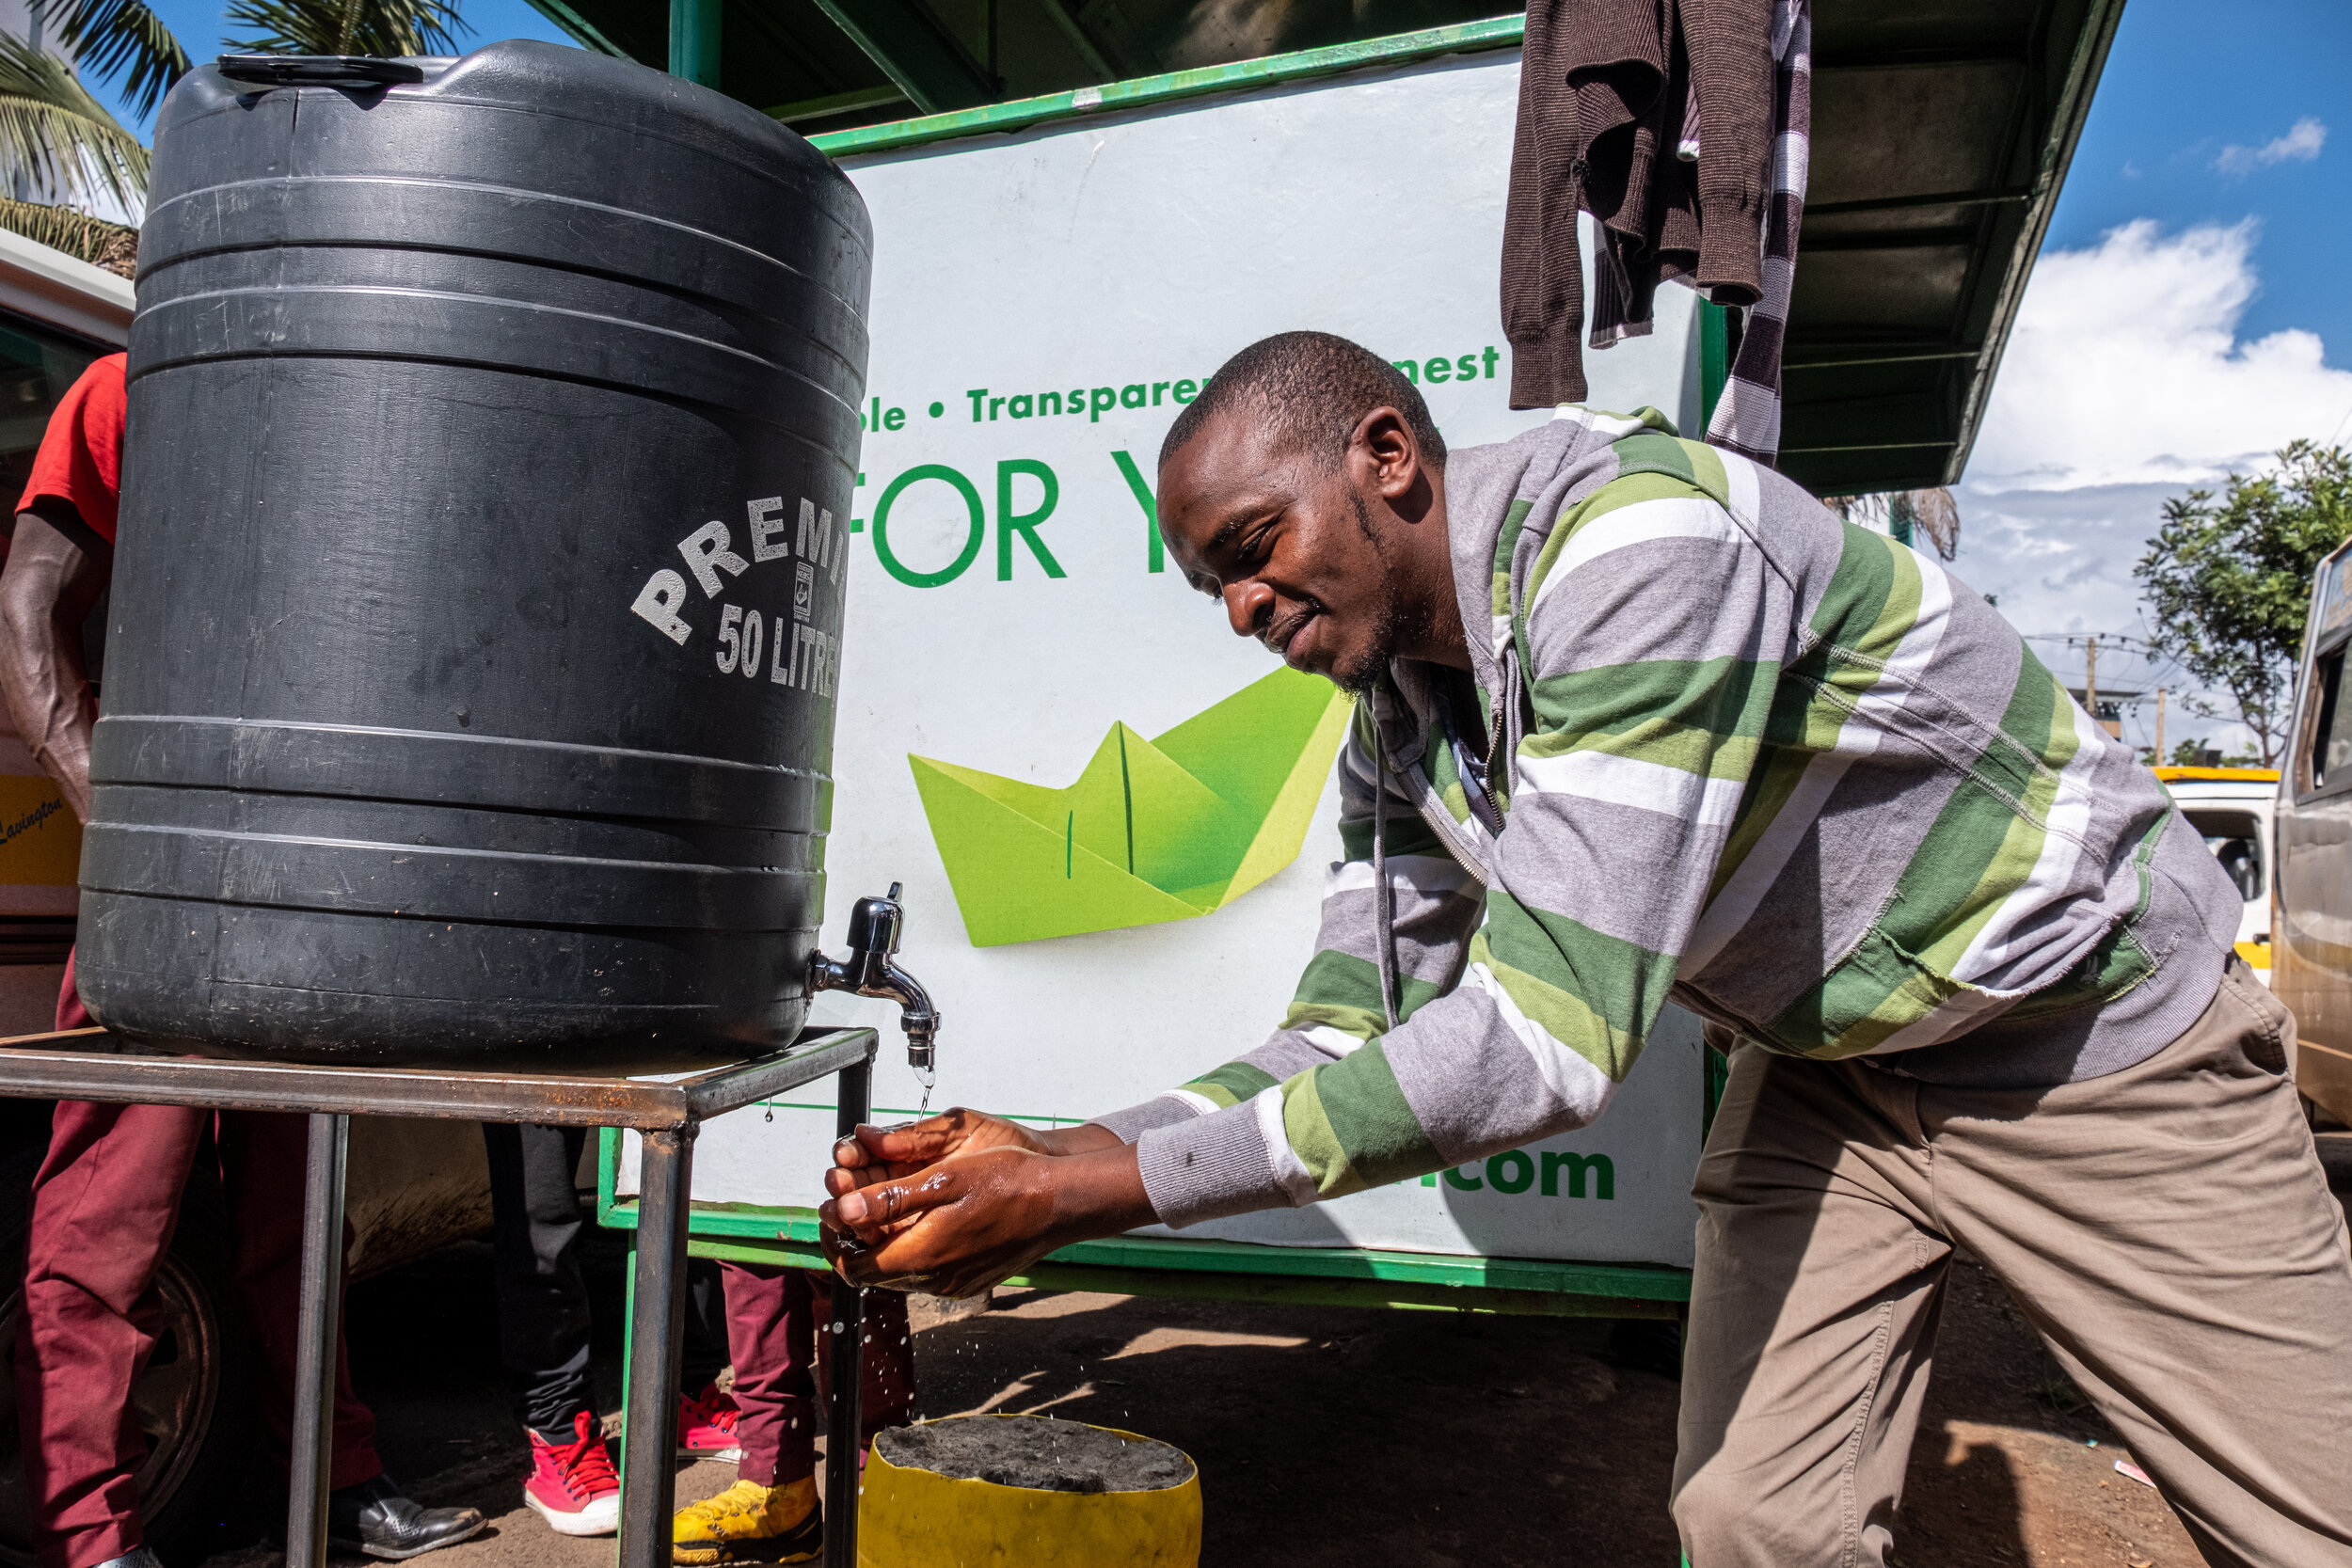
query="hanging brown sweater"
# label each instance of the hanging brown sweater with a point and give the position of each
(1605, 92)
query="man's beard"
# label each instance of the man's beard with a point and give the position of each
(1360, 676)
(1398, 622)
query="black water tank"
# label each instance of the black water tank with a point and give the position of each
(478, 603)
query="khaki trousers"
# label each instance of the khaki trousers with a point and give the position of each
(2168, 1229)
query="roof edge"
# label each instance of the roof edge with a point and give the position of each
(64, 292)
(1502, 32)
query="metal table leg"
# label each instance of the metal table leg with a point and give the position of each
(91, 1064)
(313, 1438)
(657, 1340)
(848, 1353)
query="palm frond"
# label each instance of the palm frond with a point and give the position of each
(63, 140)
(376, 27)
(1905, 515)
(1935, 513)
(121, 37)
(112, 245)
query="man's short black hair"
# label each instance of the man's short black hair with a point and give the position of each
(1314, 389)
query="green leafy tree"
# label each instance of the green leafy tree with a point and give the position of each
(2228, 582)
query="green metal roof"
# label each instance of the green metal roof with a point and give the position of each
(1942, 131)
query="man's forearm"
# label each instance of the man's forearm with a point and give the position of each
(53, 710)
(1100, 1194)
(1084, 1138)
(46, 589)
(59, 739)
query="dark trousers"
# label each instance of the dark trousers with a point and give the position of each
(104, 1205)
(536, 1224)
(543, 1301)
(781, 1364)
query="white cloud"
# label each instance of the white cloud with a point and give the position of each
(2125, 382)
(2301, 144)
(2125, 367)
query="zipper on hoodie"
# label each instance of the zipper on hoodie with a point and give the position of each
(1476, 791)
(1424, 796)
(1450, 833)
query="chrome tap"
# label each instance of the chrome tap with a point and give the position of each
(871, 969)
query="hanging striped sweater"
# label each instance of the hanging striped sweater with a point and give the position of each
(1783, 770)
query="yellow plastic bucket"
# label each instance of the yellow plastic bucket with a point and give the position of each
(910, 1518)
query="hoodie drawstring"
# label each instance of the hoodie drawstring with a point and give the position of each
(1383, 898)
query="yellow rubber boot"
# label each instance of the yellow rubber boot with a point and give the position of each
(751, 1523)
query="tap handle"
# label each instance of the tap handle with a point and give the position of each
(874, 925)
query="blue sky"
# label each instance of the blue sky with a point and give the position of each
(2184, 82)
(2184, 322)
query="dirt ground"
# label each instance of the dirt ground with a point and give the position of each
(1331, 1438)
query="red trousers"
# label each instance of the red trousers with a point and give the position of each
(773, 1315)
(105, 1206)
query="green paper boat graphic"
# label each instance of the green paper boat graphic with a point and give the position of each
(1164, 829)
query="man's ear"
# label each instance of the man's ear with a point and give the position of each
(1390, 452)
(1391, 457)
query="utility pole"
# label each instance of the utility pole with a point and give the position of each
(2090, 679)
(2160, 757)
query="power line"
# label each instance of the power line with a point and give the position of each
(2159, 665)
(2082, 636)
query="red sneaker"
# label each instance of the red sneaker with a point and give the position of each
(705, 1426)
(572, 1486)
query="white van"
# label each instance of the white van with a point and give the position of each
(2312, 946)
(2232, 807)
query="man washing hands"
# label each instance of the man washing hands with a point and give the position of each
(955, 1203)
(1639, 718)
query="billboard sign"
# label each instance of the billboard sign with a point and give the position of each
(1101, 916)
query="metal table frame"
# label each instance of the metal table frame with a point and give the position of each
(91, 1064)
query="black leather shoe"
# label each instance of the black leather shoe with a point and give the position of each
(375, 1518)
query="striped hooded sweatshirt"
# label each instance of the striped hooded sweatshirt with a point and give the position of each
(1777, 768)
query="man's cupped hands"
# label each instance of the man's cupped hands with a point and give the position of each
(954, 1203)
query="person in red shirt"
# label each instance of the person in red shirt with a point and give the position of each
(107, 1196)
(59, 556)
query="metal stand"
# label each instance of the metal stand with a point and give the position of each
(313, 1441)
(656, 1340)
(91, 1064)
(844, 1434)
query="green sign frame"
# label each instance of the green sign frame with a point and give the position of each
(1143, 92)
